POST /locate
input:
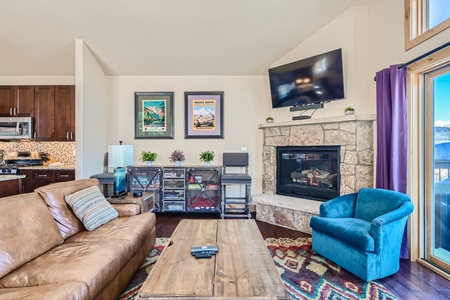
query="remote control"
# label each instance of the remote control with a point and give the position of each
(212, 249)
(202, 255)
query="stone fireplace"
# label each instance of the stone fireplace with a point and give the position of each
(353, 134)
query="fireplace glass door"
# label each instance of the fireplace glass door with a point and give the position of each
(308, 172)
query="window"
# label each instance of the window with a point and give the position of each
(424, 19)
(429, 82)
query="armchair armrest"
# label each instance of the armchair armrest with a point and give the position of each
(404, 210)
(339, 207)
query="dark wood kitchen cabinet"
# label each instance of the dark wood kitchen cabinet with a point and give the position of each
(55, 113)
(17, 101)
(39, 177)
(10, 187)
(44, 104)
(64, 113)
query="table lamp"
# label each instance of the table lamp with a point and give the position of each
(120, 156)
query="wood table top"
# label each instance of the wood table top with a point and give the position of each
(242, 269)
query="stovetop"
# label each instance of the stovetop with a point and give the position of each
(8, 170)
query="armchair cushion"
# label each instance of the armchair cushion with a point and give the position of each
(354, 232)
(373, 203)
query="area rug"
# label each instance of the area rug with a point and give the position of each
(305, 274)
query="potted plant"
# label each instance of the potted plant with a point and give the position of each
(207, 156)
(349, 110)
(148, 157)
(177, 157)
(269, 119)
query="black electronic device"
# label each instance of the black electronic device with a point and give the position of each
(207, 249)
(308, 81)
(203, 255)
(137, 194)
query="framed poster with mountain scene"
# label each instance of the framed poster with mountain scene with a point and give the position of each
(204, 114)
(153, 115)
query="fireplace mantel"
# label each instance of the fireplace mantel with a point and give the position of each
(338, 119)
(353, 133)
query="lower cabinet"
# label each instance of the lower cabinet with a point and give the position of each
(10, 187)
(39, 177)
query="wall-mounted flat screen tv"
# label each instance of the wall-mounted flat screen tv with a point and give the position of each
(308, 81)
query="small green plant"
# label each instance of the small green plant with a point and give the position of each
(148, 156)
(269, 119)
(349, 108)
(207, 156)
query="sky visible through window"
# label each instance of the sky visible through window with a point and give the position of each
(442, 109)
(438, 12)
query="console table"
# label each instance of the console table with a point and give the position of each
(179, 188)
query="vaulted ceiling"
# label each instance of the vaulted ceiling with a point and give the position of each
(158, 37)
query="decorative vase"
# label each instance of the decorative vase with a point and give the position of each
(269, 121)
(177, 163)
(207, 163)
(349, 112)
(149, 163)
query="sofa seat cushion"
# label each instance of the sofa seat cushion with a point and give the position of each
(27, 230)
(352, 231)
(133, 230)
(91, 207)
(94, 263)
(53, 195)
(60, 290)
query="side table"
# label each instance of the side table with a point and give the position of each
(146, 201)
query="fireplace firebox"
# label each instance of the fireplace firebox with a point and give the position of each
(311, 172)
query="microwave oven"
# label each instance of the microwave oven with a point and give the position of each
(16, 128)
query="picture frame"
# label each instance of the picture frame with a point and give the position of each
(153, 117)
(203, 115)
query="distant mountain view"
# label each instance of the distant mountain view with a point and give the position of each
(441, 134)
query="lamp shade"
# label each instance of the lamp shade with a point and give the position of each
(120, 156)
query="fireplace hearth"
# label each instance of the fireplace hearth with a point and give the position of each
(309, 172)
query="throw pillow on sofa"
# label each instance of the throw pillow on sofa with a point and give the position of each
(91, 207)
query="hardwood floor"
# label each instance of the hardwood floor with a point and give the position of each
(413, 281)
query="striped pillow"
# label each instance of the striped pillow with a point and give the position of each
(91, 207)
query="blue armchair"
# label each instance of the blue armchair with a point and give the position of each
(362, 232)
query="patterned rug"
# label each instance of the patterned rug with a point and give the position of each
(305, 274)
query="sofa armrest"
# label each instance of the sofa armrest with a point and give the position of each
(339, 207)
(127, 210)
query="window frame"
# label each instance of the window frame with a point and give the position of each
(416, 20)
(421, 151)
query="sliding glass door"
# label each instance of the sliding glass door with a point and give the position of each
(437, 167)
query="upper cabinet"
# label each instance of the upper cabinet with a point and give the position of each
(52, 106)
(44, 104)
(64, 113)
(55, 113)
(17, 101)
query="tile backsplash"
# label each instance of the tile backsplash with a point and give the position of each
(63, 151)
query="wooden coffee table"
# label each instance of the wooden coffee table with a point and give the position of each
(242, 269)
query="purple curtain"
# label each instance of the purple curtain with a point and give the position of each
(392, 135)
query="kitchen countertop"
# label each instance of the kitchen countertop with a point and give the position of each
(58, 167)
(11, 177)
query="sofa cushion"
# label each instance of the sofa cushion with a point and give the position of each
(27, 230)
(53, 195)
(59, 290)
(354, 232)
(91, 207)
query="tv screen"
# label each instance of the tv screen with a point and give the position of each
(308, 81)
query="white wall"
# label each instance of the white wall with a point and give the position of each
(93, 101)
(246, 104)
(348, 31)
(37, 80)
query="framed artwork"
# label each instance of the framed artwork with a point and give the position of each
(204, 114)
(153, 115)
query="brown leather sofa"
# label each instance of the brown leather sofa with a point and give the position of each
(46, 253)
